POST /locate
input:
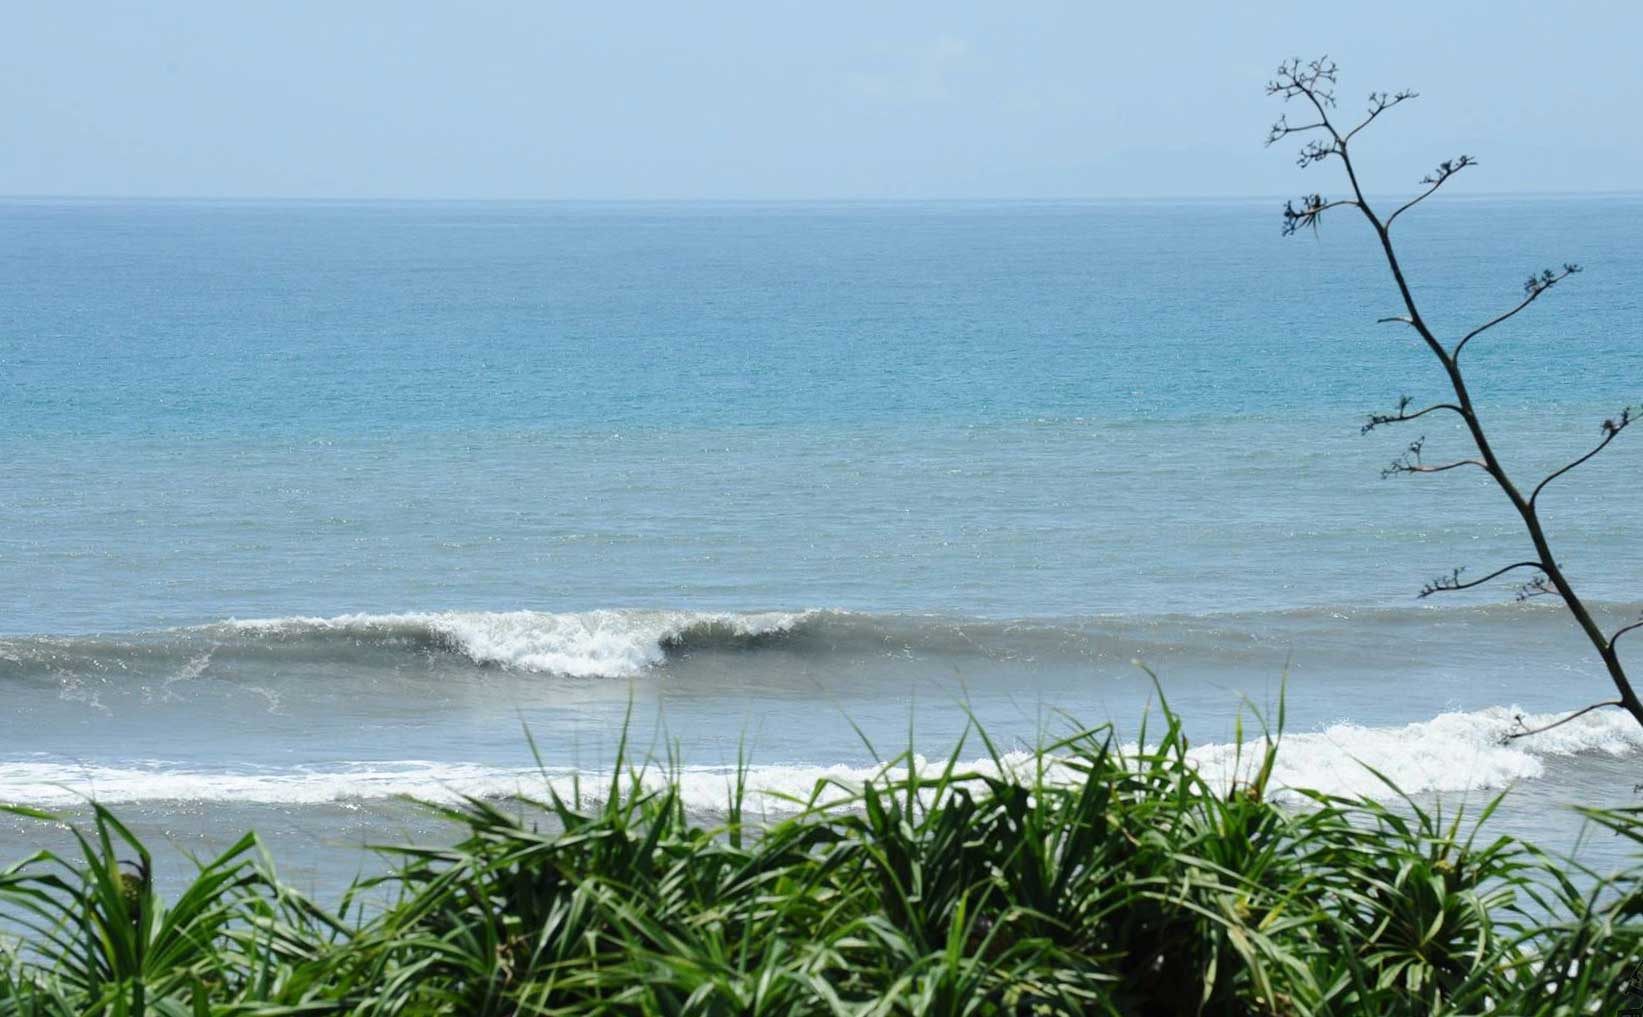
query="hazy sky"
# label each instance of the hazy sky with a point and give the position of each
(785, 100)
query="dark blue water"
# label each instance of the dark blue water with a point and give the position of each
(343, 321)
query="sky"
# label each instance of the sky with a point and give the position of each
(775, 100)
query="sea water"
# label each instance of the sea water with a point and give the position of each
(308, 506)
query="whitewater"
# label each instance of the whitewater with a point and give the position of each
(595, 644)
(1456, 753)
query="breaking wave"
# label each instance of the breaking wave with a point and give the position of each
(627, 642)
(592, 644)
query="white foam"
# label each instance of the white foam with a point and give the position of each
(771, 789)
(589, 644)
(1453, 752)
(55, 784)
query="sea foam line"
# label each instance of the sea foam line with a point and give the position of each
(1453, 752)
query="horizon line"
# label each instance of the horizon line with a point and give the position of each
(814, 200)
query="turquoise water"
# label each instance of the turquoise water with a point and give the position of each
(310, 504)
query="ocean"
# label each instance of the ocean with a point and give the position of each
(308, 507)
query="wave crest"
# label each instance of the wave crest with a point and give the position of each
(590, 644)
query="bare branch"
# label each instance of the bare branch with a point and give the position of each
(1539, 586)
(1380, 102)
(1457, 464)
(1434, 180)
(1316, 151)
(1314, 79)
(1402, 413)
(1410, 462)
(1634, 626)
(1444, 584)
(1314, 82)
(1282, 128)
(1532, 290)
(1312, 206)
(1611, 430)
(1527, 731)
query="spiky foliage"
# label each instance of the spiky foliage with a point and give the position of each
(1097, 880)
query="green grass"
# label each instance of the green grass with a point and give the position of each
(1132, 888)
